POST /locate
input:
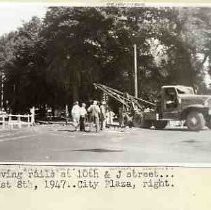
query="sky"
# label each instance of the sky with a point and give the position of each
(13, 15)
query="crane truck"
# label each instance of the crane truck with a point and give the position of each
(176, 103)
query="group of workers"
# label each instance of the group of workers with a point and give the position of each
(95, 113)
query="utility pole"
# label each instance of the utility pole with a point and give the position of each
(2, 90)
(135, 71)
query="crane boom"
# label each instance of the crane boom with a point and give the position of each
(124, 98)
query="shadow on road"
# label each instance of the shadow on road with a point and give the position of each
(97, 150)
(67, 130)
(190, 141)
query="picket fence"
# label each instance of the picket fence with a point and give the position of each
(11, 120)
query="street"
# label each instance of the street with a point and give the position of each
(55, 143)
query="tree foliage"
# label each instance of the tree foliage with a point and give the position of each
(56, 61)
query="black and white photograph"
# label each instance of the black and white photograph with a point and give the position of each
(105, 85)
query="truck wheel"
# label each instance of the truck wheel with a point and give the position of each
(146, 124)
(128, 121)
(195, 121)
(160, 124)
(137, 120)
(209, 123)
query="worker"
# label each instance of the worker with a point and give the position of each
(103, 115)
(110, 116)
(94, 110)
(83, 114)
(121, 117)
(171, 99)
(32, 111)
(75, 112)
(66, 114)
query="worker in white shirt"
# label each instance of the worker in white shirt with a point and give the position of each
(83, 114)
(32, 111)
(75, 112)
(109, 117)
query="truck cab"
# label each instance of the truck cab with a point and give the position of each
(181, 103)
(171, 98)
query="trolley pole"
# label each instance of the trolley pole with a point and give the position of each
(135, 71)
(2, 90)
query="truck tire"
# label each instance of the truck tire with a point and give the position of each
(137, 120)
(128, 121)
(160, 124)
(195, 121)
(146, 124)
(209, 123)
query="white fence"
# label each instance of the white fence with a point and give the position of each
(10, 120)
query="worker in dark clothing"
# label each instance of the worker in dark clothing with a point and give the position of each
(94, 110)
(83, 114)
(103, 115)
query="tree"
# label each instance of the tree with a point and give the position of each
(23, 69)
(74, 47)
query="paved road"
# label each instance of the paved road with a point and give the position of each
(55, 143)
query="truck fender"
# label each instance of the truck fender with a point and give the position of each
(196, 107)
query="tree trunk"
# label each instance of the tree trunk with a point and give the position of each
(76, 84)
(75, 92)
